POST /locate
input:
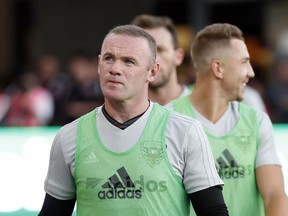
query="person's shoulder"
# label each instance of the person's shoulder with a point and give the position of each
(261, 115)
(180, 100)
(182, 125)
(179, 118)
(247, 107)
(70, 128)
(240, 106)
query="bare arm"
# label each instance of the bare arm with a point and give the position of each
(271, 186)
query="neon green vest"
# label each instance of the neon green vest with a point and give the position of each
(140, 181)
(235, 158)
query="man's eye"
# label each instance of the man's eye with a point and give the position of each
(129, 62)
(108, 59)
(246, 61)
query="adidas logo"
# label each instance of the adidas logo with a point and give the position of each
(228, 168)
(120, 189)
(121, 186)
(92, 158)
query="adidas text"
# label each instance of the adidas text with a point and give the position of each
(121, 193)
(151, 185)
(234, 172)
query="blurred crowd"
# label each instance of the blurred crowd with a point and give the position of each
(47, 96)
(276, 91)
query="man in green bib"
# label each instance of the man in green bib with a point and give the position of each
(241, 138)
(169, 55)
(131, 156)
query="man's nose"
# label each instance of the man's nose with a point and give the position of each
(116, 68)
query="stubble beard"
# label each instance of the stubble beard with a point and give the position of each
(160, 82)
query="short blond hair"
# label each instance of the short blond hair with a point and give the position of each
(213, 38)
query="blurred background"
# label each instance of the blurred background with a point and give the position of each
(48, 66)
(60, 40)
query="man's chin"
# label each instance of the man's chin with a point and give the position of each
(153, 86)
(240, 98)
(156, 85)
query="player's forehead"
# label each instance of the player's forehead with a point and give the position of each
(161, 35)
(125, 41)
(124, 45)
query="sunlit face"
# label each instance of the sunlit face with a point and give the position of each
(237, 70)
(125, 67)
(166, 55)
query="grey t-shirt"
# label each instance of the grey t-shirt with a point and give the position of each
(188, 150)
(267, 153)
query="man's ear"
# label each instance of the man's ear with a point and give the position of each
(217, 69)
(153, 72)
(179, 56)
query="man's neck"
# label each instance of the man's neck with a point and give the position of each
(208, 102)
(123, 112)
(165, 94)
(123, 125)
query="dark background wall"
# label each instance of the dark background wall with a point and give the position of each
(30, 28)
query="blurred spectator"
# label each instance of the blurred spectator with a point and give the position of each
(57, 82)
(4, 105)
(30, 103)
(86, 93)
(254, 99)
(277, 91)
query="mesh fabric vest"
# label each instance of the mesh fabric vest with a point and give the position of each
(140, 181)
(235, 158)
